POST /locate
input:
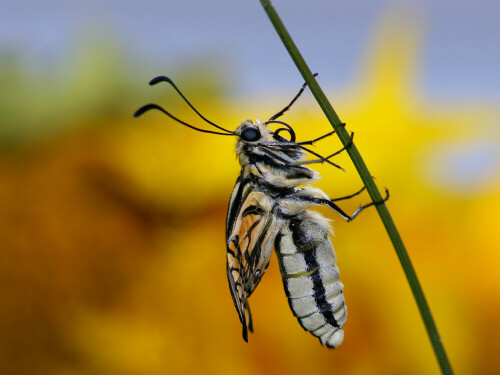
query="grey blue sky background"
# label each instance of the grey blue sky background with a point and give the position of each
(460, 56)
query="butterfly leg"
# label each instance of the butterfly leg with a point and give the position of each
(322, 159)
(311, 142)
(349, 196)
(310, 196)
(280, 113)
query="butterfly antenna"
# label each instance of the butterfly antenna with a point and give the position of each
(159, 79)
(148, 107)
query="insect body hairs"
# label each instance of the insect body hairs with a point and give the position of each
(268, 210)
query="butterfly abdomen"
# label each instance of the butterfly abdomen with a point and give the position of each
(311, 277)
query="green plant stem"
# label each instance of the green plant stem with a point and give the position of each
(369, 183)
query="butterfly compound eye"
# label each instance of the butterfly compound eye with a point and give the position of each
(250, 134)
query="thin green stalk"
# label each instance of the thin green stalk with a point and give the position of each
(367, 179)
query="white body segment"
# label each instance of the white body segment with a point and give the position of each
(311, 277)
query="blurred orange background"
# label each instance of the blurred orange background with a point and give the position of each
(112, 253)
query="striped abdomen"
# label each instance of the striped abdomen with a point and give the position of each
(311, 277)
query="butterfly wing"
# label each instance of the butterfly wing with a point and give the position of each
(250, 233)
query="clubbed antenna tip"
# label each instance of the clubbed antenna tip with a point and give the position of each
(158, 79)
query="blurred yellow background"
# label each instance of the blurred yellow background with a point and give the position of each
(112, 253)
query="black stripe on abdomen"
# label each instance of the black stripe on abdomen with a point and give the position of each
(319, 294)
